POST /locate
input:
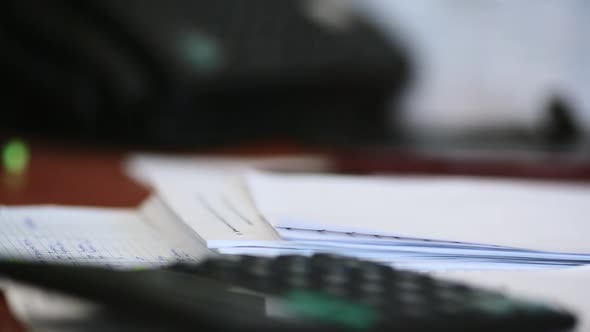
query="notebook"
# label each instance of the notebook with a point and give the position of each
(116, 238)
(180, 222)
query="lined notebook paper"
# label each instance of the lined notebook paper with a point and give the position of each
(114, 238)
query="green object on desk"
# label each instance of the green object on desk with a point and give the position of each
(330, 309)
(15, 156)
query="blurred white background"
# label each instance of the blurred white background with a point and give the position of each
(490, 64)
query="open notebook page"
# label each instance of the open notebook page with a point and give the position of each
(529, 215)
(116, 238)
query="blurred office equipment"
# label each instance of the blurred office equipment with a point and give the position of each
(48, 311)
(292, 293)
(192, 72)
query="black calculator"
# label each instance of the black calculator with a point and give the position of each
(364, 295)
(293, 293)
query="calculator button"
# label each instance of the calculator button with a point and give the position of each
(297, 281)
(351, 263)
(335, 275)
(406, 286)
(372, 288)
(259, 268)
(372, 299)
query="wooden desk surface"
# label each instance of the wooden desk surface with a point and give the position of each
(72, 176)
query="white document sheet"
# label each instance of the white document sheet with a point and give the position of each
(518, 214)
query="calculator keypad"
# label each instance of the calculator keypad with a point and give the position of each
(402, 298)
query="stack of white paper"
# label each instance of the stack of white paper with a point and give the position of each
(426, 223)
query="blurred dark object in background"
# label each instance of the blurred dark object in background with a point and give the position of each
(193, 72)
(515, 157)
